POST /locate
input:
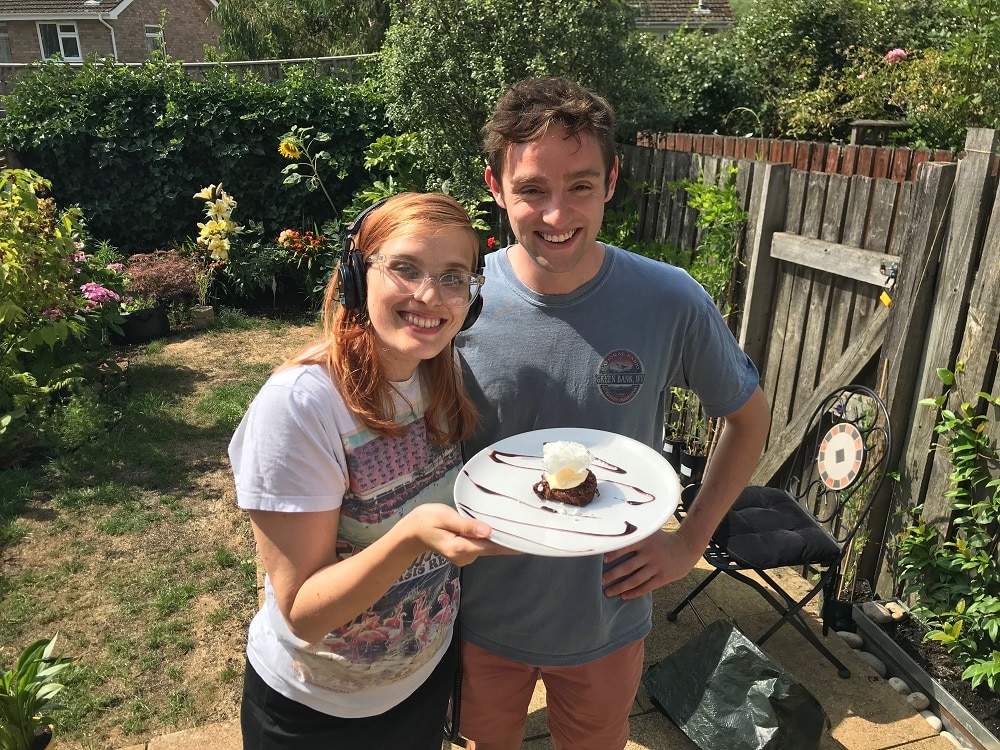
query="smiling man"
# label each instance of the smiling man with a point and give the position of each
(576, 333)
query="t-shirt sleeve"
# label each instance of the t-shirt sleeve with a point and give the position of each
(719, 372)
(287, 454)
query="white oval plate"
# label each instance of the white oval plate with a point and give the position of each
(637, 489)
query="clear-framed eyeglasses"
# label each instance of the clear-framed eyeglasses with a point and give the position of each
(456, 288)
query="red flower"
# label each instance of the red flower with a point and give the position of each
(491, 243)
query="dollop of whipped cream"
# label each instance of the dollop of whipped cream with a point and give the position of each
(565, 464)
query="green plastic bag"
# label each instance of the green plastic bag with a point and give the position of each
(724, 692)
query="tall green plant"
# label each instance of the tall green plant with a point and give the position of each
(26, 694)
(721, 221)
(55, 307)
(955, 581)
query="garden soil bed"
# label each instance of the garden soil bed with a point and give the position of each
(935, 660)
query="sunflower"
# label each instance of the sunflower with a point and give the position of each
(289, 149)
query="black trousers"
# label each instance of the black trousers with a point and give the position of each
(270, 721)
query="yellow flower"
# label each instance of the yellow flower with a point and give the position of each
(219, 210)
(290, 150)
(219, 249)
(206, 193)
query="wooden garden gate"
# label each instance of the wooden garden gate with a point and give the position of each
(820, 250)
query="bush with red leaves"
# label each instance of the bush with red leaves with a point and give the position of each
(166, 275)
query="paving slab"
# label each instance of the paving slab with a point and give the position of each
(864, 712)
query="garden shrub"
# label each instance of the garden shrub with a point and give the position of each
(954, 579)
(166, 276)
(55, 308)
(130, 146)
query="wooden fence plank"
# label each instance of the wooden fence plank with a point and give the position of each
(902, 360)
(814, 291)
(866, 157)
(768, 199)
(689, 231)
(842, 289)
(957, 265)
(652, 197)
(979, 347)
(798, 282)
(834, 258)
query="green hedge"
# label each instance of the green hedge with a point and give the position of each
(132, 145)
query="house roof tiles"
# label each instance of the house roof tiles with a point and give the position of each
(61, 8)
(667, 12)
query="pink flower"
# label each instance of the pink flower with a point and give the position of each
(861, 75)
(98, 293)
(895, 56)
(116, 267)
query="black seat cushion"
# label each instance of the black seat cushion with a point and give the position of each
(766, 528)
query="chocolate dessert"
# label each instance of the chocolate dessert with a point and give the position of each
(579, 496)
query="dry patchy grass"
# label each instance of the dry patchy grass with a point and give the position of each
(136, 553)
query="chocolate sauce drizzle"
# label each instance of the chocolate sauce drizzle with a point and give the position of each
(630, 528)
(488, 491)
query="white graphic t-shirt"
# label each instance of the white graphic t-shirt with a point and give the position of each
(299, 449)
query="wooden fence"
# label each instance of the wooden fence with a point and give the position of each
(819, 252)
(896, 163)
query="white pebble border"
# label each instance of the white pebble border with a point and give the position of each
(914, 698)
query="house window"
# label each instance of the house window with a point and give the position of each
(154, 40)
(59, 39)
(5, 56)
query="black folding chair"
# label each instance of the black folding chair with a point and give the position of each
(811, 521)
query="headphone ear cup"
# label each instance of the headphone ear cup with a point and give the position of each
(353, 282)
(474, 310)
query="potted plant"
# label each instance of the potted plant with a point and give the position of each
(202, 314)
(688, 436)
(673, 434)
(214, 242)
(26, 693)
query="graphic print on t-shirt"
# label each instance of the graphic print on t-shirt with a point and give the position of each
(412, 621)
(395, 637)
(620, 376)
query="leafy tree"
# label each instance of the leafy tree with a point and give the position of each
(280, 29)
(784, 48)
(700, 85)
(446, 62)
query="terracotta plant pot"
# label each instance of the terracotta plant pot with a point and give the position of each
(202, 316)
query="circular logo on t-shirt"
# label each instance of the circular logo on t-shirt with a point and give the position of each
(620, 376)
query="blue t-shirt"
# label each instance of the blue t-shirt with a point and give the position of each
(602, 357)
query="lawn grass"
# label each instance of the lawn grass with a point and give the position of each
(131, 547)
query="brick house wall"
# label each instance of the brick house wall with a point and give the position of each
(185, 34)
(187, 31)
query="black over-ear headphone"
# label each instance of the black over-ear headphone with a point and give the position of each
(352, 279)
(351, 274)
